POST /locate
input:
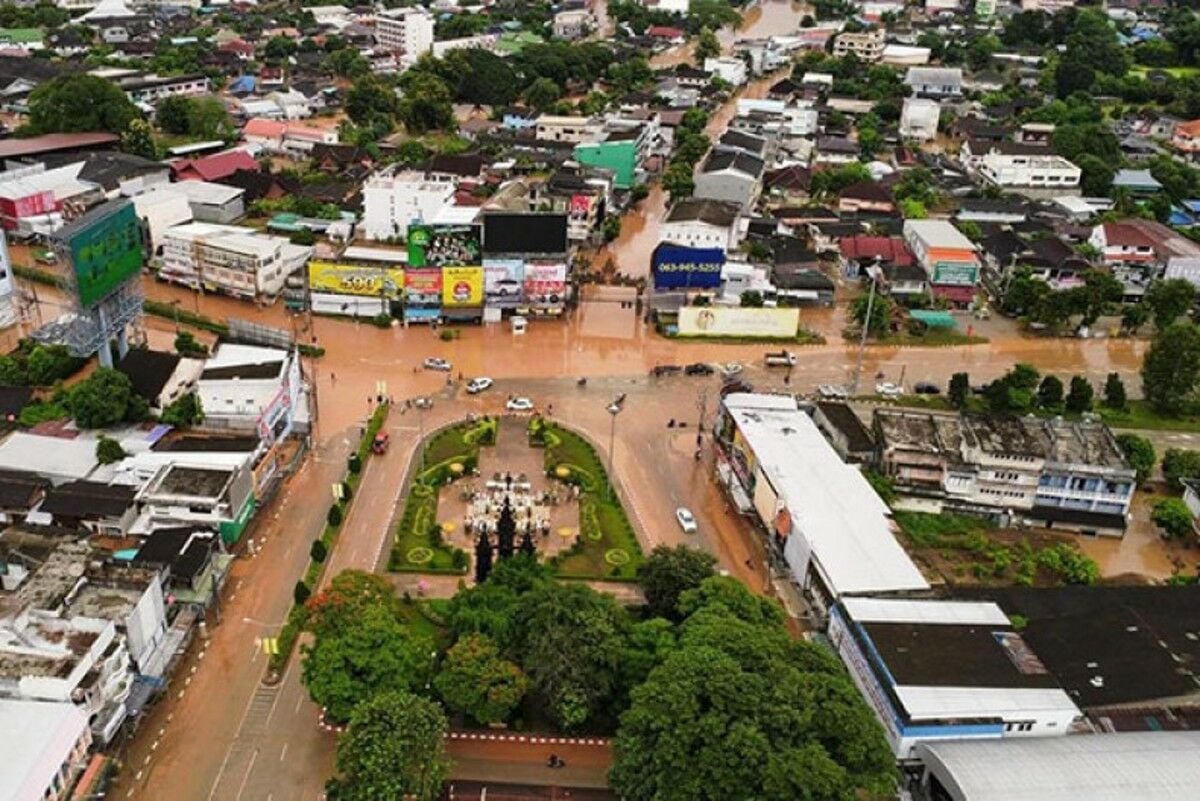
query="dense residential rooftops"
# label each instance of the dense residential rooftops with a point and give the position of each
(722, 160)
(85, 499)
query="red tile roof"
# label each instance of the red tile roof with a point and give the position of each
(1124, 235)
(664, 32)
(215, 167)
(890, 249)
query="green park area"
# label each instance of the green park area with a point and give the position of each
(448, 455)
(606, 546)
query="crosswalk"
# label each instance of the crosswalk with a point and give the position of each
(239, 762)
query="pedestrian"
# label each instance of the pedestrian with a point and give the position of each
(332, 377)
(550, 408)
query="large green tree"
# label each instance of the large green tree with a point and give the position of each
(372, 653)
(393, 750)
(1173, 517)
(669, 572)
(572, 649)
(479, 682)
(1178, 464)
(371, 103)
(1139, 451)
(79, 102)
(105, 398)
(1169, 300)
(741, 710)
(1171, 368)
(426, 104)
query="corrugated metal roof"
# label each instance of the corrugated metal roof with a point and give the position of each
(1138, 766)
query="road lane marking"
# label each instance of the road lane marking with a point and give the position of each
(283, 753)
(246, 778)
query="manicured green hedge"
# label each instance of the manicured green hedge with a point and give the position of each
(312, 576)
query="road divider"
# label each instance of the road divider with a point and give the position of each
(321, 551)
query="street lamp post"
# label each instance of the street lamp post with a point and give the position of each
(614, 409)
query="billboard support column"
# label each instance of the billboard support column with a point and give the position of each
(105, 352)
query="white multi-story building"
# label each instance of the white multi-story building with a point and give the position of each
(669, 6)
(940, 670)
(394, 198)
(867, 46)
(230, 259)
(1031, 175)
(407, 30)
(728, 69)
(80, 660)
(45, 746)
(484, 41)
(245, 388)
(919, 119)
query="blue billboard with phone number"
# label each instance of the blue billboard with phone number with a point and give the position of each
(679, 267)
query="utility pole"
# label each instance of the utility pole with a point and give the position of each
(866, 327)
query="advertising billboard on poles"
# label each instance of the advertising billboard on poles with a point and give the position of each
(443, 245)
(545, 283)
(502, 282)
(353, 279)
(105, 248)
(462, 286)
(736, 321)
(678, 267)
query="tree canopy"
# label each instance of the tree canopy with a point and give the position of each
(105, 398)
(477, 681)
(393, 750)
(669, 572)
(740, 710)
(77, 102)
(1171, 368)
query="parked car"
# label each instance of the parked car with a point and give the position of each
(780, 358)
(889, 390)
(699, 368)
(434, 363)
(660, 370)
(519, 405)
(687, 521)
(832, 391)
(927, 388)
(477, 385)
(736, 385)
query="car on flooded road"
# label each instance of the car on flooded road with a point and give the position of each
(477, 385)
(435, 363)
(519, 405)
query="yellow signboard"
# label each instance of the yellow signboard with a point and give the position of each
(736, 321)
(462, 286)
(355, 279)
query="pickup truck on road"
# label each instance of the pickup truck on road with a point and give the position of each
(782, 358)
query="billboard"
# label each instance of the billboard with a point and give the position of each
(502, 282)
(956, 272)
(105, 251)
(525, 233)
(676, 266)
(351, 279)
(443, 245)
(462, 286)
(423, 287)
(736, 321)
(545, 283)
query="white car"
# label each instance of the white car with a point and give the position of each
(519, 405)
(831, 391)
(889, 390)
(477, 385)
(423, 403)
(687, 520)
(434, 363)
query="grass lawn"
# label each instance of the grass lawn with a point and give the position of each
(1175, 72)
(421, 621)
(606, 547)
(1139, 415)
(448, 454)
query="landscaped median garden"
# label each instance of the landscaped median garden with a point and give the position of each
(607, 547)
(448, 455)
(321, 547)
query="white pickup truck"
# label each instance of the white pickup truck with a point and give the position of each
(782, 358)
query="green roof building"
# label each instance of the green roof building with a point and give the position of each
(619, 156)
(24, 38)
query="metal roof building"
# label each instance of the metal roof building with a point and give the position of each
(832, 525)
(1140, 766)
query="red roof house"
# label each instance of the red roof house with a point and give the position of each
(214, 167)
